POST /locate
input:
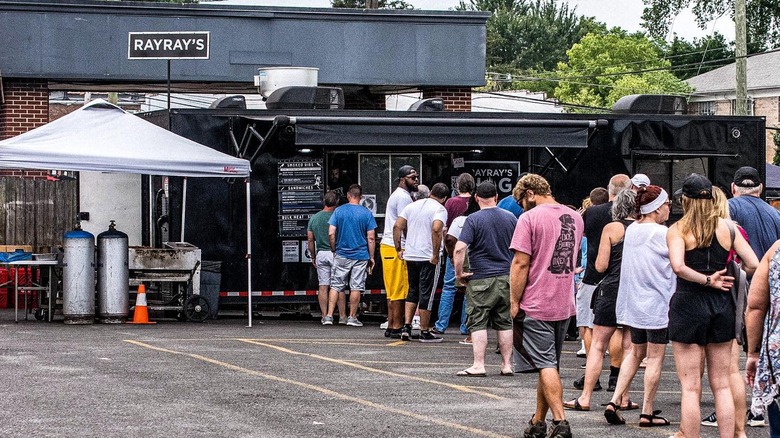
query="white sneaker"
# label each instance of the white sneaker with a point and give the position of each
(416, 323)
(383, 326)
(581, 352)
(353, 322)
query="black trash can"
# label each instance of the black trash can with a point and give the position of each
(210, 282)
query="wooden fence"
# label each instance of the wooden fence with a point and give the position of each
(36, 212)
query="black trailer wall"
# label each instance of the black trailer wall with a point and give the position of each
(666, 148)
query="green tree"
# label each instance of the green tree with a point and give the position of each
(776, 141)
(524, 36)
(699, 56)
(604, 67)
(763, 18)
(361, 4)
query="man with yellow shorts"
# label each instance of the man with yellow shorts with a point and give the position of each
(394, 268)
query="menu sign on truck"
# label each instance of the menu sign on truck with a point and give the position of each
(300, 195)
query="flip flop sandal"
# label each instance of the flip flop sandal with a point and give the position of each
(651, 420)
(575, 405)
(467, 373)
(630, 406)
(507, 373)
(612, 415)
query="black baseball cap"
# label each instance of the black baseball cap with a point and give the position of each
(405, 170)
(747, 177)
(696, 187)
(486, 190)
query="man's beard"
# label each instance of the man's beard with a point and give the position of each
(528, 204)
(411, 188)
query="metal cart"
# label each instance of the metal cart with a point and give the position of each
(172, 276)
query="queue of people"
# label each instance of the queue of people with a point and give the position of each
(644, 285)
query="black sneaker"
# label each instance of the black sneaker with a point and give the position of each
(580, 383)
(388, 332)
(560, 430)
(710, 420)
(612, 384)
(754, 420)
(535, 430)
(395, 334)
(406, 333)
(428, 337)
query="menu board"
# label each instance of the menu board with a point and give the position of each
(300, 195)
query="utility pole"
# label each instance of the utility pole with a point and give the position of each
(740, 24)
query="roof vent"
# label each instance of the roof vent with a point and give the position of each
(650, 104)
(428, 105)
(235, 102)
(270, 79)
(306, 98)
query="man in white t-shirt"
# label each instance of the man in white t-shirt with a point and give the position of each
(393, 267)
(423, 222)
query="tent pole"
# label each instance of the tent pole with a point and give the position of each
(183, 207)
(249, 250)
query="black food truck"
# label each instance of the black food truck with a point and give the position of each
(298, 154)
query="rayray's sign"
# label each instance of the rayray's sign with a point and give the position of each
(168, 45)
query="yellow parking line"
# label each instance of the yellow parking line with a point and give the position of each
(375, 370)
(325, 391)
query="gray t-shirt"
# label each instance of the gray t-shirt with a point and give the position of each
(488, 233)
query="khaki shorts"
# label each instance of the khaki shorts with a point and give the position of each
(394, 274)
(324, 267)
(487, 303)
(348, 274)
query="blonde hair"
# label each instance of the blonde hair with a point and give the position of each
(700, 219)
(586, 203)
(721, 203)
(531, 181)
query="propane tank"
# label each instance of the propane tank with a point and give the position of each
(78, 277)
(112, 276)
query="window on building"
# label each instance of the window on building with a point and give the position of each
(706, 108)
(377, 175)
(750, 106)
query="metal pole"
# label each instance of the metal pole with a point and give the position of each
(183, 208)
(249, 249)
(169, 94)
(740, 50)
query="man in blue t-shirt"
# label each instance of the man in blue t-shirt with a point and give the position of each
(351, 238)
(760, 220)
(486, 235)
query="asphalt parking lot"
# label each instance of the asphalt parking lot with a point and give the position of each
(280, 378)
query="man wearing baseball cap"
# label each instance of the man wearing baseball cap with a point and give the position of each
(760, 220)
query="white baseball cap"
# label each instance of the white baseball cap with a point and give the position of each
(640, 180)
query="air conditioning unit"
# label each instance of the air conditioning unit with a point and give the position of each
(306, 98)
(433, 104)
(270, 79)
(650, 104)
(236, 102)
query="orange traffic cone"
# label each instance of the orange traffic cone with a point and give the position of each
(141, 312)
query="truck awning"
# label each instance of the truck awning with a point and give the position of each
(436, 132)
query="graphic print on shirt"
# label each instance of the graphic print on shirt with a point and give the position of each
(563, 255)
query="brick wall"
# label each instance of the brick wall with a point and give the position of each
(455, 99)
(25, 106)
(769, 107)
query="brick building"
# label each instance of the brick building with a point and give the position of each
(715, 94)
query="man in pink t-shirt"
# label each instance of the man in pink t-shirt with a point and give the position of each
(546, 243)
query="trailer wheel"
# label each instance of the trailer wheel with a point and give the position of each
(196, 308)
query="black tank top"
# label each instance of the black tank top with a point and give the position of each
(705, 260)
(612, 274)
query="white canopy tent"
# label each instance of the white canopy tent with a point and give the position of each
(102, 137)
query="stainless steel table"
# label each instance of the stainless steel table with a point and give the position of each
(46, 285)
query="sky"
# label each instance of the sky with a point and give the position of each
(627, 15)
